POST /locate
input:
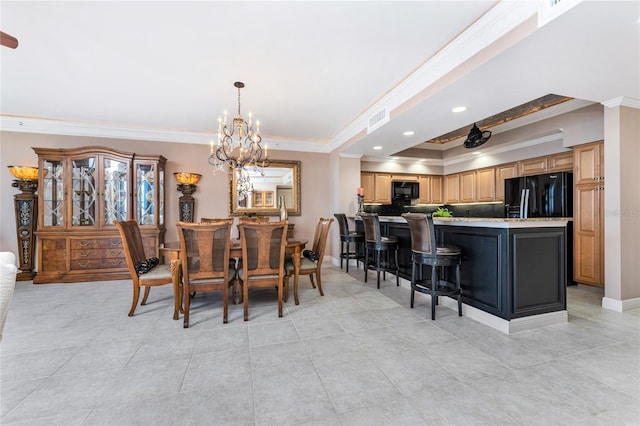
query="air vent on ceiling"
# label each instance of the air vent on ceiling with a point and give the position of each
(378, 119)
(551, 9)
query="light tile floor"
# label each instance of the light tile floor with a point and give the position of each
(357, 356)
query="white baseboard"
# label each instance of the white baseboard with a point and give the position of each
(620, 305)
(505, 326)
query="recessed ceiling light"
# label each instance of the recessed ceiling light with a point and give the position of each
(409, 133)
(395, 158)
(477, 152)
(377, 147)
(459, 109)
(422, 159)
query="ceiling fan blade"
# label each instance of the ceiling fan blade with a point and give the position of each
(8, 41)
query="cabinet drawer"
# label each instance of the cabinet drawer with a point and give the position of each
(90, 254)
(90, 264)
(96, 243)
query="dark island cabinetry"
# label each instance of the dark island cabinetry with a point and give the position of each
(511, 268)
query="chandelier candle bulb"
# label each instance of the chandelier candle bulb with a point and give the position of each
(361, 191)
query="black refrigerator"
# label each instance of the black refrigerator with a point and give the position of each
(546, 195)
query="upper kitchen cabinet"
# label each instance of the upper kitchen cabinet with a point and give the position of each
(486, 184)
(502, 172)
(547, 164)
(377, 187)
(452, 188)
(430, 189)
(82, 192)
(588, 163)
(468, 186)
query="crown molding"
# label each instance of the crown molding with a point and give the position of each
(20, 124)
(622, 101)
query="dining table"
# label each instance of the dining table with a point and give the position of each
(171, 249)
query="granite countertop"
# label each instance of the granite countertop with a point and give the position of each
(490, 222)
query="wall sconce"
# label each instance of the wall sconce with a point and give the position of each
(26, 208)
(186, 203)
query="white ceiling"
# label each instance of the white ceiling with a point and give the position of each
(314, 71)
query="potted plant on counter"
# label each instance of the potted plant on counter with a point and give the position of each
(442, 212)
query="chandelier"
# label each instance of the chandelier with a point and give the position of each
(239, 145)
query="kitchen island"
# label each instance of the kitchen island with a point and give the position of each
(515, 270)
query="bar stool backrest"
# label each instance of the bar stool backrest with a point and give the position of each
(423, 236)
(343, 224)
(371, 223)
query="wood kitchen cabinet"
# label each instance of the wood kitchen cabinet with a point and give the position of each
(377, 187)
(430, 189)
(437, 193)
(502, 172)
(486, 184)
(383, 188)
(452, 188)
(368, 183)
(404, 178)
(588, 214)
(467, 186)
(560, 162)
(551, 163)
(82, 191)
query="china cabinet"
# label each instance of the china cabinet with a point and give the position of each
(82, 191)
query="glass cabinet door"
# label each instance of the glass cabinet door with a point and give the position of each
(161, 194)
(146, 193)
(52, 193)
(83, 192)
(116, 184)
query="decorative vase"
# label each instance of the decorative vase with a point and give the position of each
(283, 209)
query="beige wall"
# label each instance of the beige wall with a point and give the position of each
(622, 203)
(212, 195)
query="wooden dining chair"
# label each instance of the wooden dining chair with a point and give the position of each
(214, 219)
(135, 256)
(262, 265)
(204, 252)
(309, 266)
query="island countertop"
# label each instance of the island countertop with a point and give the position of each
(489, 222)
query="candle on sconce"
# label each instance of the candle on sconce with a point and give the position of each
(361, 191)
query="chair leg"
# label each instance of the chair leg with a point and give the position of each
(378, 253)
(397, 269)
(280, 299)
(366, 263)
(285, 295)
(347, 258)
(319, 282)
(342, 255)
(434, 298)
(245, 293)
(146, 294)
(459, 290)
(225, 305)
(295, 288)
(187, 307)
(413, 282)
(136, 296)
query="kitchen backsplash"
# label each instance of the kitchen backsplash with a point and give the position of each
(458, 210)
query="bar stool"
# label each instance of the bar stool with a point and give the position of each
(425, 251)
(382, 248)
(346, 239)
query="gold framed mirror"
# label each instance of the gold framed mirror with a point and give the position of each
(280, 179)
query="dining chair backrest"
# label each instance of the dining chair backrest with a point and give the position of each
(320, 237)
(263, 247)
(132, 243)
(204, 250)
(215, 219)
(371, 223)
(254, 219)
(423, 237)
